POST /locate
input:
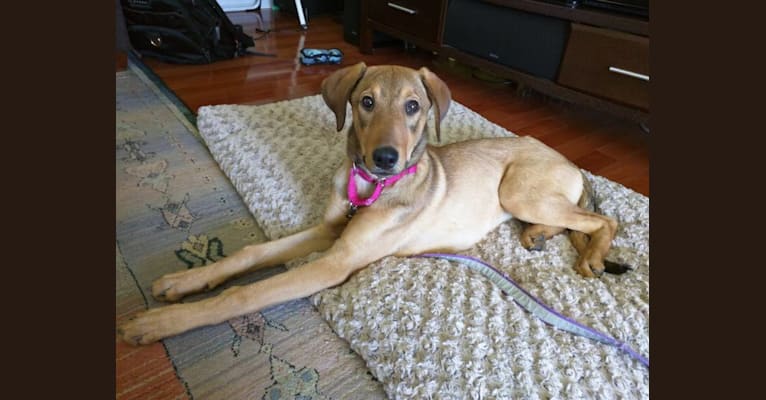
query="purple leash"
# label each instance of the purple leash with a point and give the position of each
(534, 305)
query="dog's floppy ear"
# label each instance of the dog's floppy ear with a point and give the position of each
(337, 88)
(439, 94)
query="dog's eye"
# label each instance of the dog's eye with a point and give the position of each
(411, 107)
(367, 102)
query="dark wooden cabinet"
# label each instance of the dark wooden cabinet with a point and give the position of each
(419, 18)
(605, 64)
(420, 22)
(609, 64)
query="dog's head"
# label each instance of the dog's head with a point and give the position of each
(390, 106)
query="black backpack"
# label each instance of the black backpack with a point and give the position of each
(183, 31)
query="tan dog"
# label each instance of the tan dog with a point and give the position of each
(458, 194)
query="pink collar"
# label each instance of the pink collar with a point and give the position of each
(353, 195)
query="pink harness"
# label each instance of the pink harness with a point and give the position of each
(353, 196)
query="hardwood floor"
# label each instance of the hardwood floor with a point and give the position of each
(615, 149)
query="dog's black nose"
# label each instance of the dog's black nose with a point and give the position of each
(385, 157)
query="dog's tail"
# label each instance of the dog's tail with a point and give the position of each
(580, 240)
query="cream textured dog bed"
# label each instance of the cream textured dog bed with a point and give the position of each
(430, 328)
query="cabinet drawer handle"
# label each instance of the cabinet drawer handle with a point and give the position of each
(629, 73)
(405, 9)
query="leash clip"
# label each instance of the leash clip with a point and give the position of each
(351, 210)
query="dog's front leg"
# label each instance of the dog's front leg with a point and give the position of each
(161, 322)
(176, 285)
(365, 240)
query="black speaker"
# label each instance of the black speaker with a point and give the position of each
(524, 41)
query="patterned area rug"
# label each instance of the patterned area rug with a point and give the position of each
(176, 210)
(429, 328)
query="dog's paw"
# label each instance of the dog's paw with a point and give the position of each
(534, 236)
(595, 266)
(146, 327)
(175, 286)
(590, 267)
(533, 243)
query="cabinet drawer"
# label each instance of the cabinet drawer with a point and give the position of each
(609, 64)
(419, 18)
